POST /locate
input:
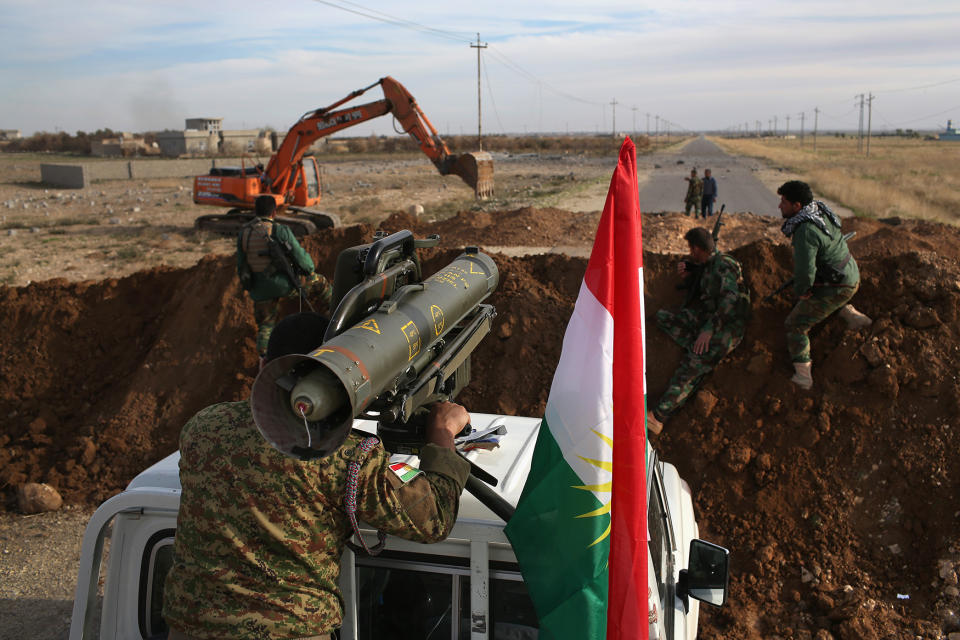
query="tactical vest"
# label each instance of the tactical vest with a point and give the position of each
(256, 245)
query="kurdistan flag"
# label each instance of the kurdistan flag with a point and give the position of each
(579, 531)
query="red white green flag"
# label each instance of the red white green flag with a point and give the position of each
(580, 531)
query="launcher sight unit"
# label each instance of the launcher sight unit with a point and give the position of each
(396, 343)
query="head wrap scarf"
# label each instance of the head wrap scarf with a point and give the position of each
(814, 212)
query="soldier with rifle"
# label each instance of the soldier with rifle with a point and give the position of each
(709, 325)
(272, 266)
(825, 275)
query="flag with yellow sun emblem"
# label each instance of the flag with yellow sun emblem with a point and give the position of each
(579, 531)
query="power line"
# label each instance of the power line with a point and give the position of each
(513, 66)
(449, 35)
(923, 86)
(492, 101)
(388, 19)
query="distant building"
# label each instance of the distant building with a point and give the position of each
(6, 135)
(950, 134)
(240, 141)
(126, 145)
(213, 125)
(188, 143)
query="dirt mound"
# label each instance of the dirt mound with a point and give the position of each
(840, 505)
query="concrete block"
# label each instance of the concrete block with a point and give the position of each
(69, 176)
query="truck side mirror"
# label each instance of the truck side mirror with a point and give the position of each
(708, 575)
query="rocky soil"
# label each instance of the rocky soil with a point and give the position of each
(840, 505)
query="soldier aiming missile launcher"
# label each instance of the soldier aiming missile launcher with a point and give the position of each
(395, 344)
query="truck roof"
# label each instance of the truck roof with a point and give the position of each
(509, 462)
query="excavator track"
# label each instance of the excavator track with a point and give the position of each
(302, 223)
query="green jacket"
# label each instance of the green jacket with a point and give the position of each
(274, 282)
(814, 252)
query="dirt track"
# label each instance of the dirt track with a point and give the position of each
(836, 503)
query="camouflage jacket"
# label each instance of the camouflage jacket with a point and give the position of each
(694, 189)
(723, 302)
(259, 534)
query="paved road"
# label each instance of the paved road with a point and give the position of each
(737, 187)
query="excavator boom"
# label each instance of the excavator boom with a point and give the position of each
(287, 175)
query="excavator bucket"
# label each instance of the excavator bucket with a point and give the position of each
(476, 169)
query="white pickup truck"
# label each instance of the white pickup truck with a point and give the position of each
(468, 586)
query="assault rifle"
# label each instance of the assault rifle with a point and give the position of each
(281, 254)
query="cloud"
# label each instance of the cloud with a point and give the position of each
(150, 65)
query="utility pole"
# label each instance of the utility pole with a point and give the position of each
(788, 128)
(656, 132)
(614, 103)
(774, 126)
(869, 120)
(860, 125)
(802, 118)
(758, 128)
(478, 47)
(816, 118)
(648, 124)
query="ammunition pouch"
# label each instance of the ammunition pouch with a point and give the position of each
(832, 273)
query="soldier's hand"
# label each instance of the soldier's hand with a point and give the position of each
(446, 420)
(682, 268)
(702, 342)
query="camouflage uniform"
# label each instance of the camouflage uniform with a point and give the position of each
(269, 288)
(721, 307)
(260, 535)
(694, 193)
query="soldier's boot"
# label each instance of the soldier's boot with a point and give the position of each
(802, 376)
(654, 426)
(854, 319)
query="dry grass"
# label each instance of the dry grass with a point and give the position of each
(910, 178)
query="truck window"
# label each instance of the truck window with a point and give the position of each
(402, 600)
(156, 562)
(311, 169)
(403, 603)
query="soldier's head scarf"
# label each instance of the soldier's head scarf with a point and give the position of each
(814, 212)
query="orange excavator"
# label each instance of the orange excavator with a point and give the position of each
(293, 178)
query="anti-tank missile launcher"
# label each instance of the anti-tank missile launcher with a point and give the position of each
(395, 344)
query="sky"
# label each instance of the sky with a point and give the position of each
(562, 66)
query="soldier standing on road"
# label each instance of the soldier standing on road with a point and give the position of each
(825, 275)
(694, 189)
(260, 534)
(709, 196)
(708, 326)
(263, 274)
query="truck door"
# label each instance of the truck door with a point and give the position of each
(673, 621)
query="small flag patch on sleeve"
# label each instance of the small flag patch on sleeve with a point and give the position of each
(405, 472)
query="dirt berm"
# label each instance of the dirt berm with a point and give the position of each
(840, 505)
